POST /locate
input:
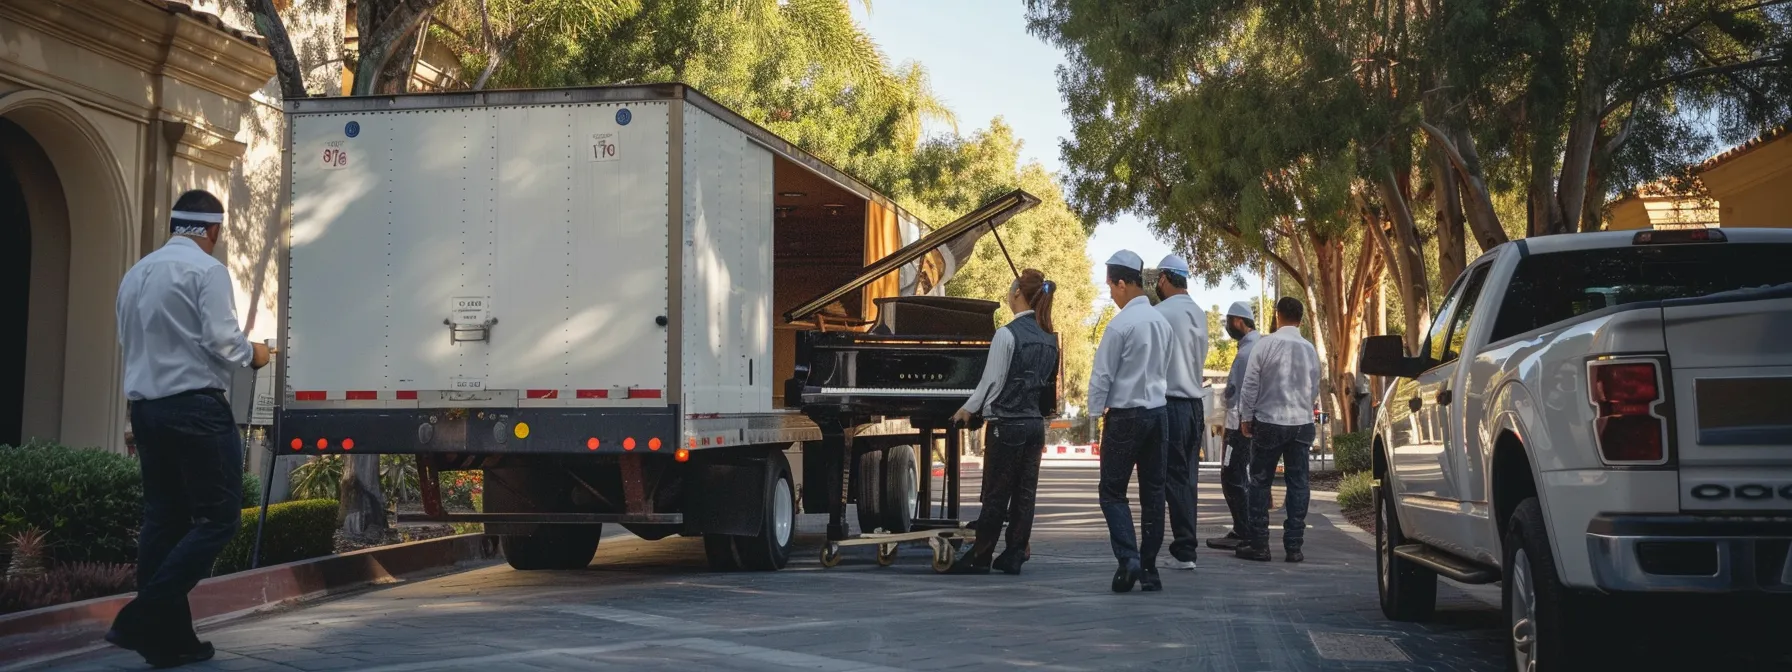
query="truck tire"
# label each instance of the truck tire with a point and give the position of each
(1408, 591)
(718, 549)
(552, 547)
(868, 491)
(1549, 625)
(769, 550)
(901, 493)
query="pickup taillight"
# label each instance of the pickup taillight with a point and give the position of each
(1626, 427)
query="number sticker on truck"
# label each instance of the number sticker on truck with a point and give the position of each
(604, 146)
(463, 384)
(335, 155)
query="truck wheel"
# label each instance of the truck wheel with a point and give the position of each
(719, 550)
(770, 549)
(1549, 625)
(552, 547)
(868, 492)
(1408, 591)
(901, 494)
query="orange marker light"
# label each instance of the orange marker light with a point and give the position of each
(323, 443)
(628, 443)
(653, 443)
(348, 444)
(592, 443)
(298, 443)
(682, 455)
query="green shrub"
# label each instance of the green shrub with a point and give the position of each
(251, 490)
(1352, 451)
(63, 584)
(1355, 492)
(89, 500)
(295, 531)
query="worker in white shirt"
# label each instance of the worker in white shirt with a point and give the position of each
(177, 324)
(1275, 410)
(1184, 400)
(1126, 388)
(1235, 461)
(1023, 357)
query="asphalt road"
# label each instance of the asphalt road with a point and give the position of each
(654, 606)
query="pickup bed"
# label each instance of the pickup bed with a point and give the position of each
(1593, 418)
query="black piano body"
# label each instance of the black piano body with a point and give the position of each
(918, 362)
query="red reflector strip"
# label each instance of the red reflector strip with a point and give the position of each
(308, 396)
(593, 394)
(407, 395)
(363, 395)
(639, 393)
(544, 394)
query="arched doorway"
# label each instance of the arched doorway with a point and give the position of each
(61, 183)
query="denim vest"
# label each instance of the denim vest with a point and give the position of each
(1031, 368)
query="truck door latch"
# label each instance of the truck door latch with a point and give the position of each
(468, 333)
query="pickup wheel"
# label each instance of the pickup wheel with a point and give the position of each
(1408, 591)
(769, 550)
(1548, 625)
(552, 547)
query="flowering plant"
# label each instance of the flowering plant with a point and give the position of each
(462, 489)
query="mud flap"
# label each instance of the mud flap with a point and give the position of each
(729, 498)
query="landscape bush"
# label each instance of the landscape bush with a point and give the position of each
(89, 501)
(66, 583)
(295, 531)
(1352, 452)
(1355, 492)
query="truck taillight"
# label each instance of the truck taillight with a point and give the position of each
(1625, 393)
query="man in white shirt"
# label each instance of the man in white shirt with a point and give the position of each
(1127, 388)
(1184, 399)
(1275, 410)
(1241, 325)
(177, 324)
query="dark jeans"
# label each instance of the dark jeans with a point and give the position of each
(192, 462)
(1181, 469)
(1010, 485)
(1290, 445)
(1134, 437)
(1235, 479)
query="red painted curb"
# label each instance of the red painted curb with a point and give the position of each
(64, 627)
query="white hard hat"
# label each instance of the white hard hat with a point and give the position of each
(1175, 264)
(1241, 309)
(1127, 258)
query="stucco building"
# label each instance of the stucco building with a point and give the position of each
(1748, 186)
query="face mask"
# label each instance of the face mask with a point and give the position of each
(1234, 332)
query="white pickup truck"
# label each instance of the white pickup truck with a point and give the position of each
(1593, 420)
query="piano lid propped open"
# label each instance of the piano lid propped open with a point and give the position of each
(972, 225)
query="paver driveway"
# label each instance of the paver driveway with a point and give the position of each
(653, 606)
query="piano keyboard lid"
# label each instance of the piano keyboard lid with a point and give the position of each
(967, 228)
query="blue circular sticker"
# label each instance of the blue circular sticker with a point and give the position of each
(623, 116)
(352, 129)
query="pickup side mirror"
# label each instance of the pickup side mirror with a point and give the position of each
(1386, 356)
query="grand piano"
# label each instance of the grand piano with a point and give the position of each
(918, 362)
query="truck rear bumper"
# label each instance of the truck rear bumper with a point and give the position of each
(1691, 554)
(489, 431)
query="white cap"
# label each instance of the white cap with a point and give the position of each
(1127, 258)
(1174, 263)
(1241, 309)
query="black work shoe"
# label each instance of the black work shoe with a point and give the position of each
(162, 661)
(1127, 575)
(1150, 582)
(1246, 552)
(121, 640)
(1230, 542)
(1293, 556)
(1009, 561)
(965, 565)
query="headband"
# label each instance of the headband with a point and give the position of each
(207, 217)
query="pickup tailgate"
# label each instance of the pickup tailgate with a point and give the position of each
(1732, 380)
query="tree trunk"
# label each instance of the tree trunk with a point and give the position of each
(286, 61)
(1583, 130)
(363, 509)
(1408, 255)
(387, 28)
(1447, 199)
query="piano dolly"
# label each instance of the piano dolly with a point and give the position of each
(944, 534)
(944, 543)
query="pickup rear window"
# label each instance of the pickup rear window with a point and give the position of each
(1550, 288)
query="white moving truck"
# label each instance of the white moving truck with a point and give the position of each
(574, 291)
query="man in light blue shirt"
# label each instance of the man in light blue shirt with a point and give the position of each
(1184, 398)
(177, 324)
(1241, 325)
(1126, 387)
(1275, 410)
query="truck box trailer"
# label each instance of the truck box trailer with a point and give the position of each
(576, 292)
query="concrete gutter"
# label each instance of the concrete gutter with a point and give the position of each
(37, 636)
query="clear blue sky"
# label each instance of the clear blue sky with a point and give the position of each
(984, 65)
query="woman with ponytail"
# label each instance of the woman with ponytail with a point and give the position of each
(1023, 357)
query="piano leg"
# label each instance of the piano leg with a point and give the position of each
(953, 447)
(926, 457)
(838, 445)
